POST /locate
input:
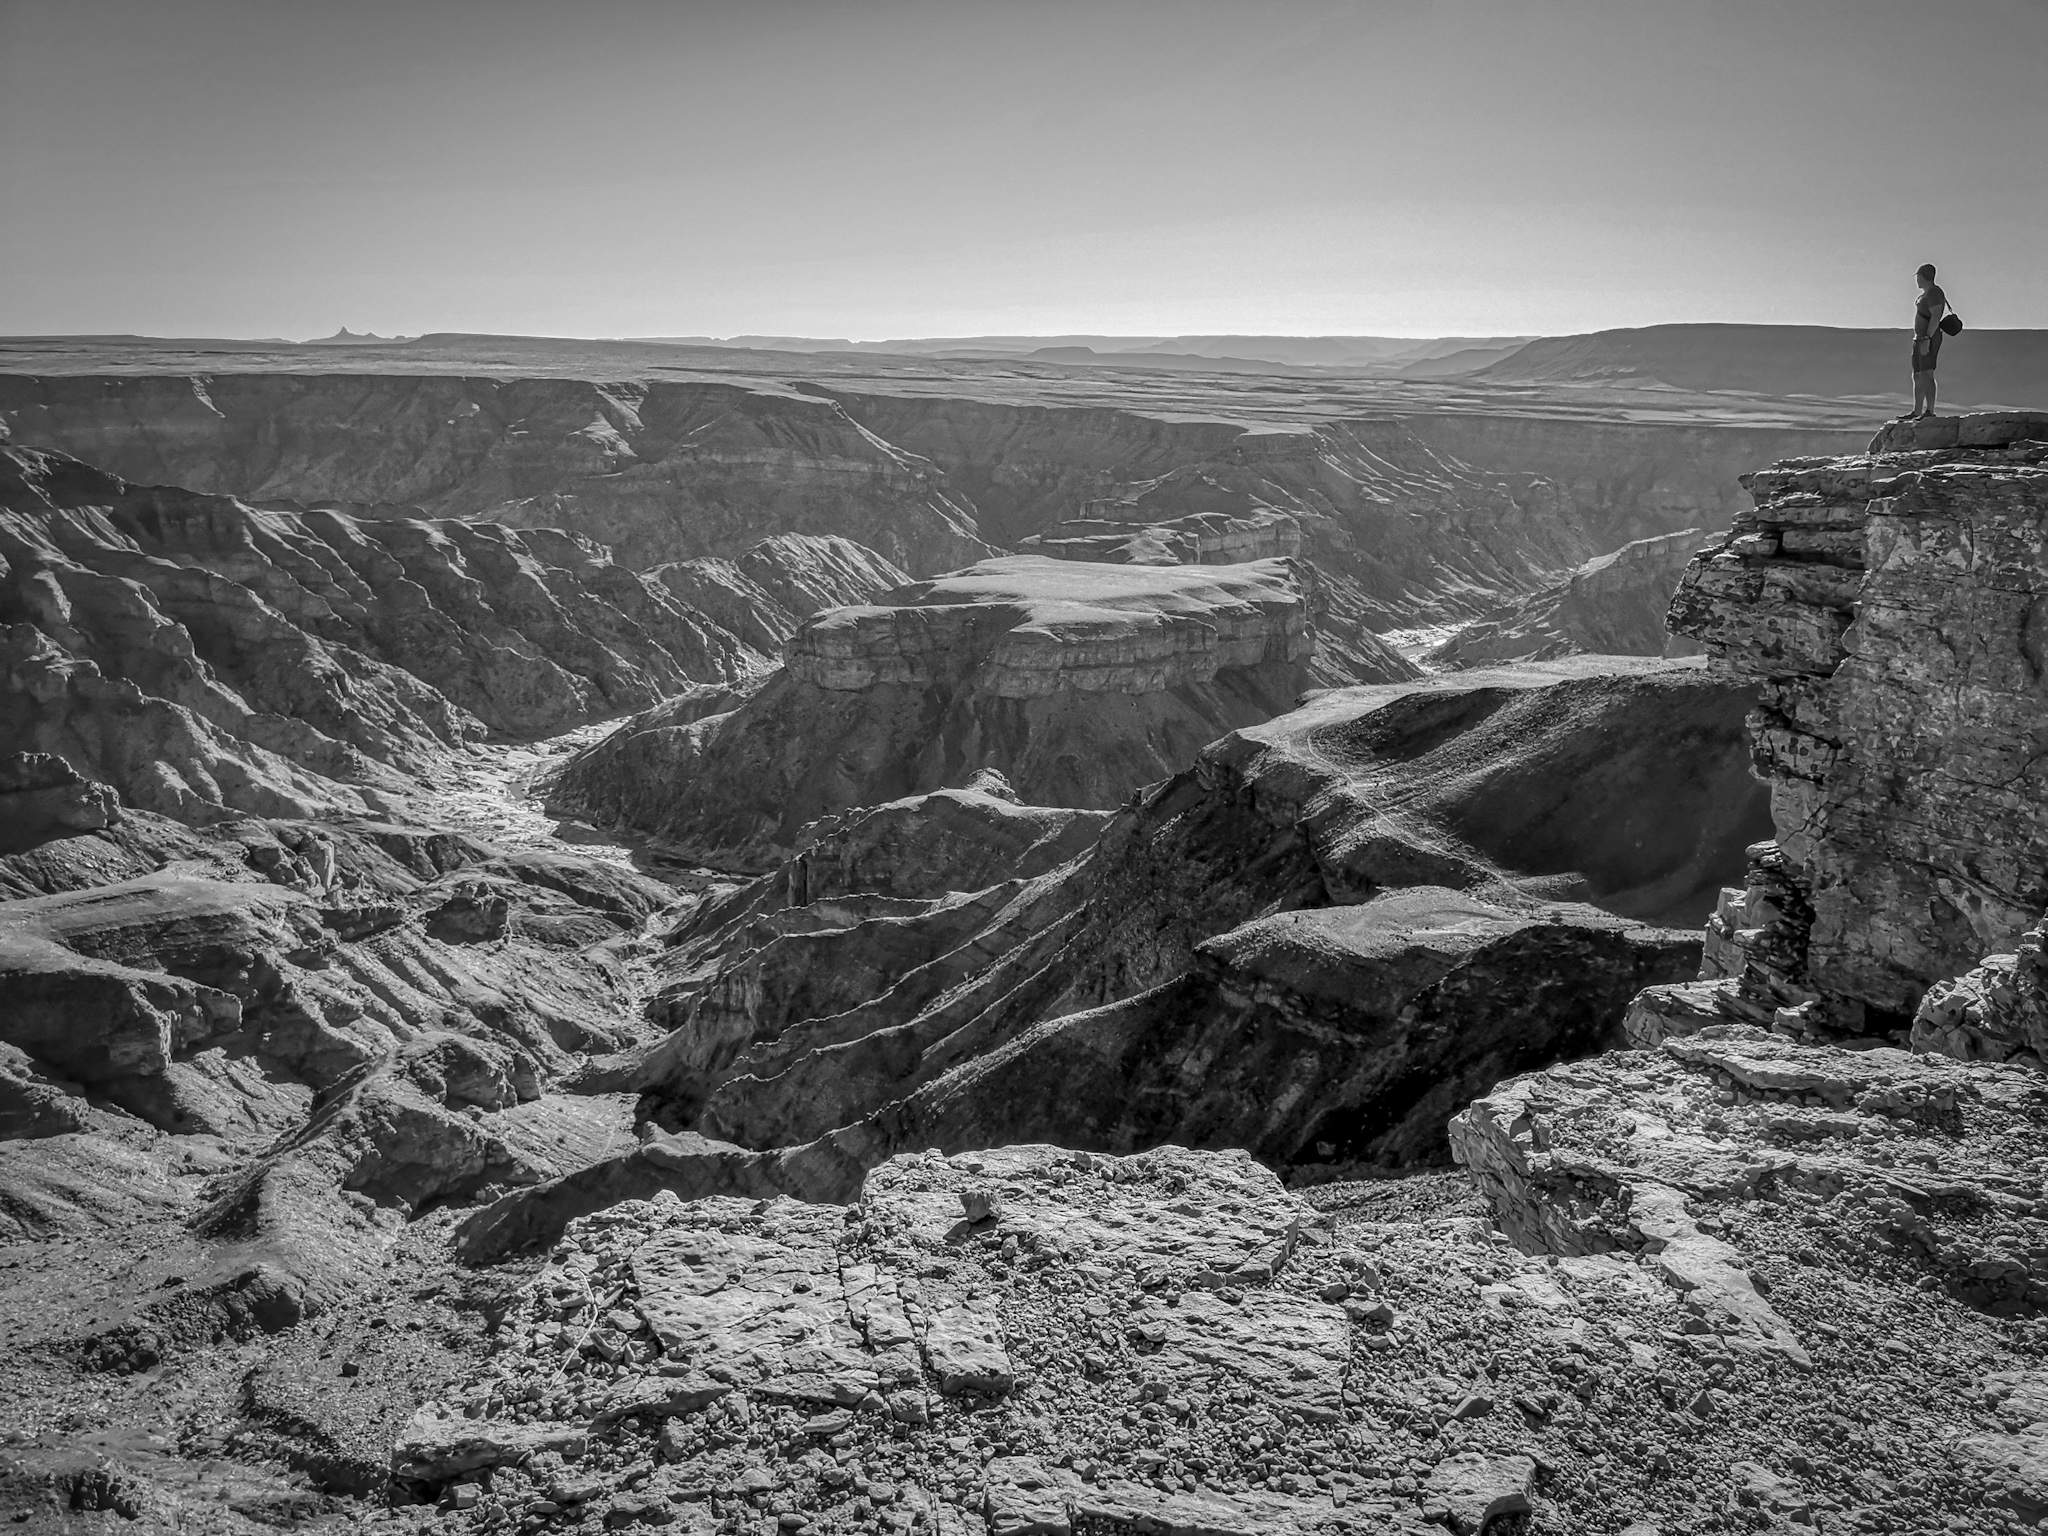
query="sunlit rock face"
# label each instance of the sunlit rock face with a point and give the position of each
(1077, 681)
(197, 653)
(1889, 610)
(1886, 606)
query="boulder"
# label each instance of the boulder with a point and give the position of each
(1648, 1152)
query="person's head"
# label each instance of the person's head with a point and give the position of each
(1926, 273)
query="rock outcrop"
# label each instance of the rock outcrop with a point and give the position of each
(1613, 605)
(201, 654)
(1077, 682)
(1346, 652)
(1324, 901)
(1033, 1339)
(43, 797)
(1886, 608)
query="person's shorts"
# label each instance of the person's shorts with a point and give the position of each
(1925, 353)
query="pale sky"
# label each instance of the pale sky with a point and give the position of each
(874, 168)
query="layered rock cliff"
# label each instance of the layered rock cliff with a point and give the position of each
(1299, 945)
(1886, 609)
(1432, 515)
(1077, 682)
(1347, 651)
(196, 652)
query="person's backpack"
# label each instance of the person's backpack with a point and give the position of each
(1951, 324)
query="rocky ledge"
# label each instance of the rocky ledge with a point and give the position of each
(1715, 1303)
(1076, 681)
(1889, 610)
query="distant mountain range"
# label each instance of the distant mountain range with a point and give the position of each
(1978, 367)
(1989, 367)
(1301, 351)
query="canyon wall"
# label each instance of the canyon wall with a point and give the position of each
(1314, 941)
(1429, 516)
(1889, 610)
(658, 471)
(1076, 681)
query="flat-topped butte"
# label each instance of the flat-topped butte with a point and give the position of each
(1030, 626)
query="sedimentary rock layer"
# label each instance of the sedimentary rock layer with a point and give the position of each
(1432, 516)
(1887, 609)
(1347, 651)
(1077, 682)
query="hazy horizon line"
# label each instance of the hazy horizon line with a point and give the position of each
(679, 338)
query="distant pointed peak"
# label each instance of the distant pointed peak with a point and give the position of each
(345, 336)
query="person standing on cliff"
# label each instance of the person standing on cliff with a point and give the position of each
(1927, 313)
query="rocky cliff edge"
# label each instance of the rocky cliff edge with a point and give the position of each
(1892, 611)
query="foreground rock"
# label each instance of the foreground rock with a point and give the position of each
(1613, 605)
(1075, 681)
(1030, 1339)
(1886, 609)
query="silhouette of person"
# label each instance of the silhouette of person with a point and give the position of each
(1927, 313)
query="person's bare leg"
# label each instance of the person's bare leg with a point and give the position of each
(1928, 409)
(1923, 394)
